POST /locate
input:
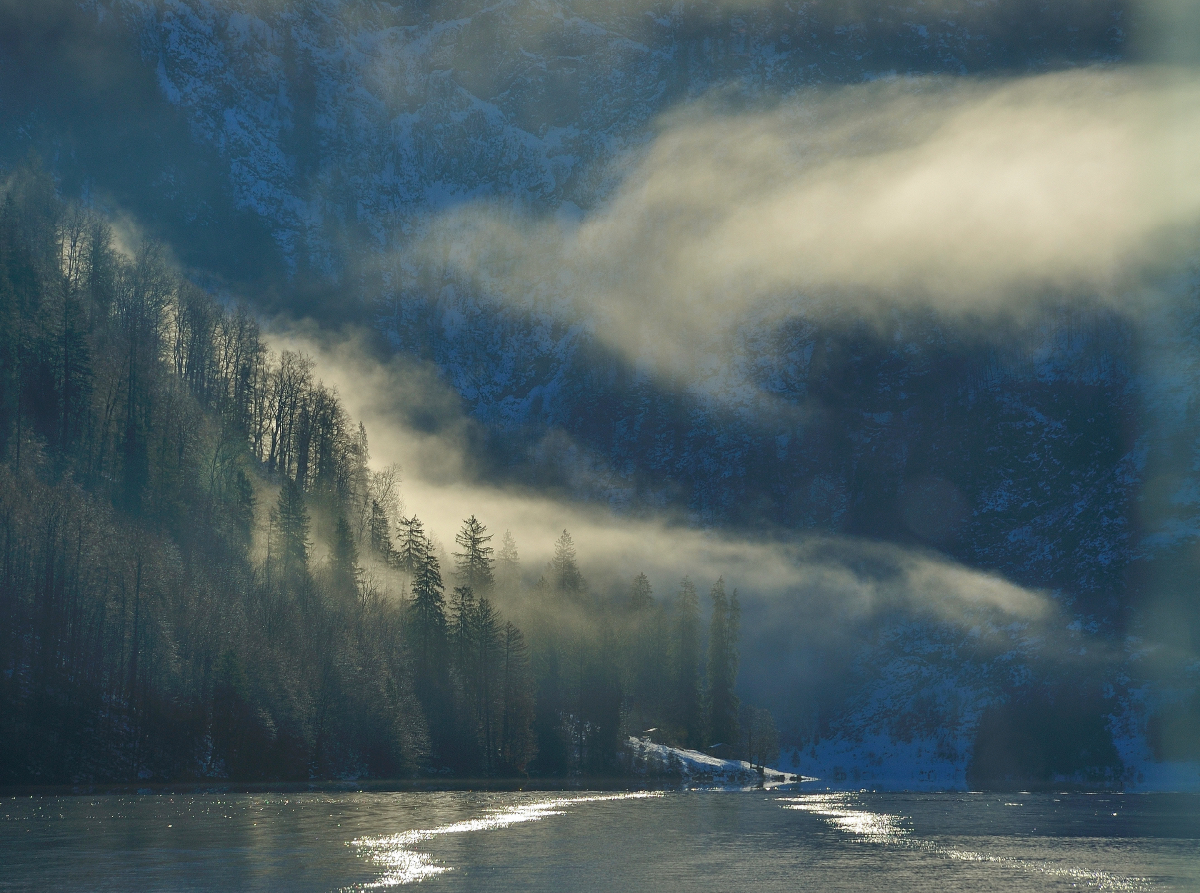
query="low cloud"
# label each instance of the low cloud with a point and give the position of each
(832, 579)
(967, 196)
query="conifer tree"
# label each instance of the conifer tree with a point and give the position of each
(508, 566)
(412, 547)
(474, 562)
(723, 634)
(291, 518)
(602, 703)
(645, 664)
(641, 595)
(343, 557)
(517, 743)
(378, 534)
(427, 634)
(486, 637)
(428, 609)
(549, 665)
(760, 736)
(564, 572)
(688, 705)
(462, 631)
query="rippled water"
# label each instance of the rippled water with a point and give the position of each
(685, 841)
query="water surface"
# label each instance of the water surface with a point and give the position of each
(677, 841)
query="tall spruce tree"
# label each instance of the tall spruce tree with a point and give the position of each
(551, 672)
(601, 700)
(564, 572)
(688, 705)
(517, 742)
(759, 736)
(485, 628)
(343, 558)
(641, 595)
(508, 567)
(291, 519)
(378, 534)
(722, 667)
(412, 547)
(462, 631)
(645, 661)
(427, 606)
(474, 562)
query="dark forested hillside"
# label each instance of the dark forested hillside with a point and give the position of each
(143, 634)
(202, 576)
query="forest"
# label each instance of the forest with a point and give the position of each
(203, 576)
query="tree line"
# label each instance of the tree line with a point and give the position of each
(201, 575)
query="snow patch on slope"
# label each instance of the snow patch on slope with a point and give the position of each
(698, 769)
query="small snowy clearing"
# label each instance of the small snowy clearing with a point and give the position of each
(695, 769)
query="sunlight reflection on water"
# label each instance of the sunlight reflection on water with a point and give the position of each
(888, 830)
(402, 864)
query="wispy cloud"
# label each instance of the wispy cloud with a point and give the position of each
(839, 578)
(967, 196)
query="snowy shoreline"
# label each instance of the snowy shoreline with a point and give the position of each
(695, 769)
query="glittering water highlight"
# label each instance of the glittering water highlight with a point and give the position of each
(889, 830)
(402, 864)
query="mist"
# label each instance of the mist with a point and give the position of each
(810, 599)
(844, 578)
(974, 198)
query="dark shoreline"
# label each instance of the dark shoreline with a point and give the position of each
(499, 785)
(383, 786)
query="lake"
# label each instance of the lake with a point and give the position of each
(660, 841)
